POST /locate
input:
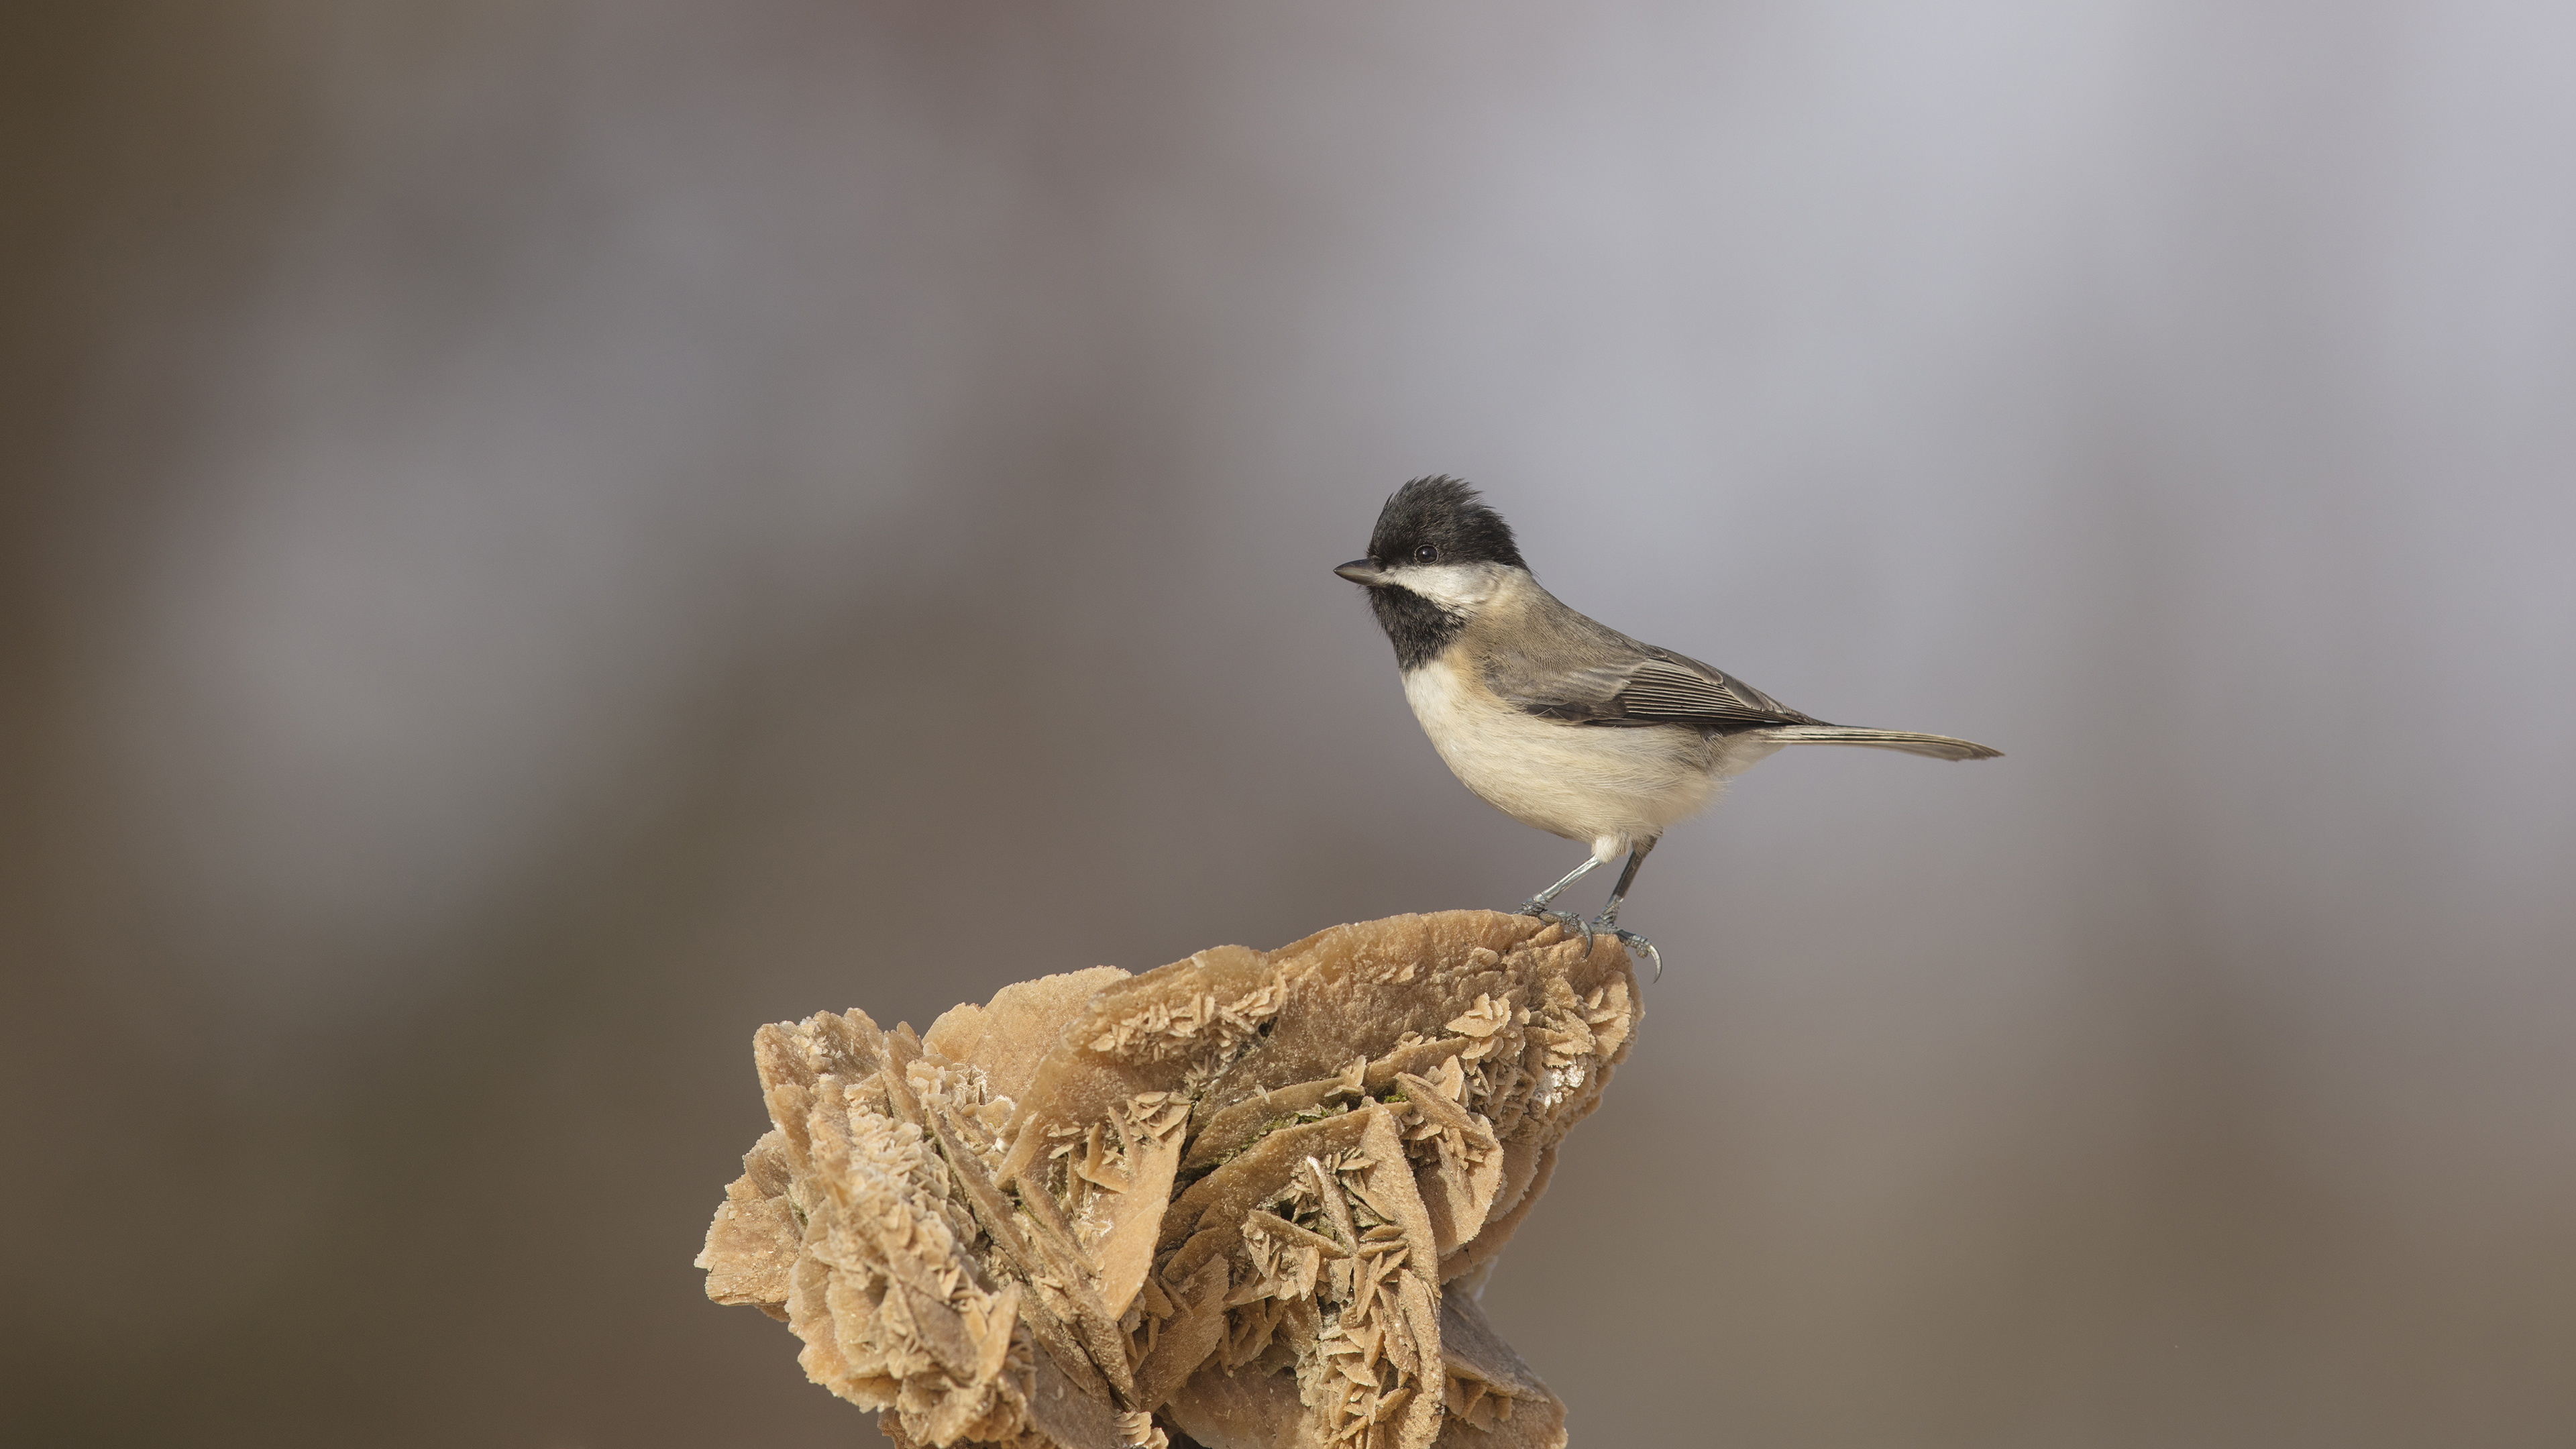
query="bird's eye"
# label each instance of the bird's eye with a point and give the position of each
(1426, 554)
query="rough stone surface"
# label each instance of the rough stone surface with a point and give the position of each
(1240, 1201)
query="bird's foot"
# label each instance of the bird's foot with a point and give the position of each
(1606, 924)
(1569, 920)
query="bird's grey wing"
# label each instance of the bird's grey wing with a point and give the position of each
(1618, 681)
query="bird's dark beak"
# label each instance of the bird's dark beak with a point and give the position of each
(1362, 571)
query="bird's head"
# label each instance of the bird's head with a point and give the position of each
(1436, 557)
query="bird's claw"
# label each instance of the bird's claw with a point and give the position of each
(1630, 939)
(1571, 922)
(1604, 924)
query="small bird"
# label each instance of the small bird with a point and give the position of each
(1556, 720)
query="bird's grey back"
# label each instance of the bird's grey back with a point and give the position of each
(1557, 663)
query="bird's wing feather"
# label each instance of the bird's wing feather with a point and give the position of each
(1622, 682)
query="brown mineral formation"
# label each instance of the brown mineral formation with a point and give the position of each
(1244, 1200)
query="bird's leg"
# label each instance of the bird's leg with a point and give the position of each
(1608, 920)
(1537, 904)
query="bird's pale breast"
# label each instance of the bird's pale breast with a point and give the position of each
(1602, 786)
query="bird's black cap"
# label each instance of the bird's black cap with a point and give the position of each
(1445, 515)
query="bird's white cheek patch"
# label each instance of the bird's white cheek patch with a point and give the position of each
(1451, 586)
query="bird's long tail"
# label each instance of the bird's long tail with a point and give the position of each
(1939, 747)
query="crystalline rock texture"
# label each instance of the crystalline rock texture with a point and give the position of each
(1247, 1197)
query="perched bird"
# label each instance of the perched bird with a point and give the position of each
(1558, 721)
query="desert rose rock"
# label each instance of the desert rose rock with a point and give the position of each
(1248, 1196)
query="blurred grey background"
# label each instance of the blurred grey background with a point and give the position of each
(538, 537)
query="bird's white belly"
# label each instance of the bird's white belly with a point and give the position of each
(1607, 787)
